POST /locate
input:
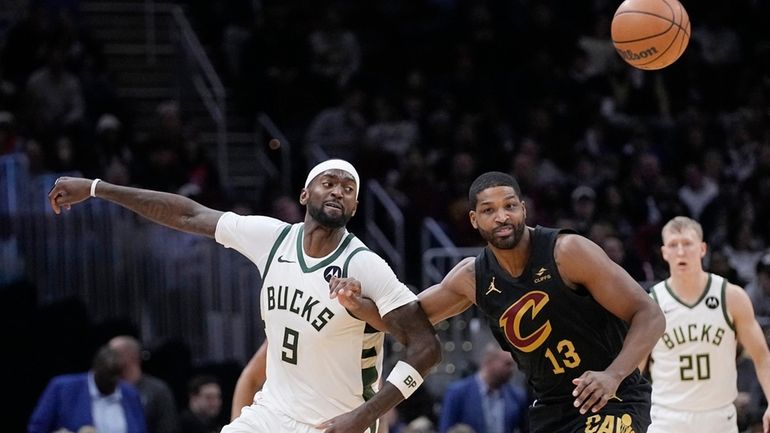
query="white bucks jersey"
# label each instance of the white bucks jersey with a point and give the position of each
(693, 364)
(322, 361)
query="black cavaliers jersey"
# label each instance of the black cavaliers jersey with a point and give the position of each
(554, 333)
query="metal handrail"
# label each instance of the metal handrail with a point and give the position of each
(437, 262)
(436, 244)
(394, 250)
(208, 85)
(431, 230)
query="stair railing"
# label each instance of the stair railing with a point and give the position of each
(206, 82)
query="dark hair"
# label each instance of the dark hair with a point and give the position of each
(197, 382)
(488, 180)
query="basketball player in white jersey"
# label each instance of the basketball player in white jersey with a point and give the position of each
(323, 364)
(693, 365)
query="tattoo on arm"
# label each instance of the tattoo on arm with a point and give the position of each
(171, 210)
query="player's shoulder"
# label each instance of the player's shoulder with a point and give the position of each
(735, 295)
(570, 242)
(466, 266)
(463, 272)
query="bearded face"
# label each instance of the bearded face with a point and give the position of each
(500, 217)
(505, 236)
(331, 198)
(328, 214)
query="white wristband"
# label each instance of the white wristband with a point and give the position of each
(405, 378)
(93, 186)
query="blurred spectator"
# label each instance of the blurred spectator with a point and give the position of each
(158, 401)
(158, 162)
(486, 401)
(698, 190)
(335, 52)
(96, 399)
(743, 250)
(389, 137)
(8, 138)
(53, 98)
(759, 287)
(583, 208)
(204, 406)
(109, 144)
(720, 265)
(287, 209)
(339, 131)
(618, 253)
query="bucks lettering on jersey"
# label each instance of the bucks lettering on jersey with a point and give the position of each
(693, 364)
(327, 362)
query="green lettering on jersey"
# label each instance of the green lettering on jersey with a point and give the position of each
(293, 308)
(718, 337)
(270, 298)
(322, 319)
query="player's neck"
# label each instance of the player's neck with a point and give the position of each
(320, 241)
(515, 259)
(688, 284)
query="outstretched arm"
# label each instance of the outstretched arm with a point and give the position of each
(582, 262)
(750, 336)
(250, 381)
(170, 210)
(455, 294)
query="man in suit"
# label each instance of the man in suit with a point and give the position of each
(95, 399)
(486, 401)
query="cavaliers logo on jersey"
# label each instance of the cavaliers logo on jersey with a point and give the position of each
(525, 310)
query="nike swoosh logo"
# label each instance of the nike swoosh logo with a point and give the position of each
(282, 260)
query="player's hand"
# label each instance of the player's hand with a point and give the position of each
(67, 191)
(347, 291)
(351, 422)
(593, 389)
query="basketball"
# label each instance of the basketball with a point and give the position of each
(650, 34)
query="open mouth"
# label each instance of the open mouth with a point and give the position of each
(333, 205)
(504, 231)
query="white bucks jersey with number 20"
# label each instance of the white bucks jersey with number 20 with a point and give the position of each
(322, 361)
(693, 364)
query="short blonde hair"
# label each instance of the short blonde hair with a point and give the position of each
(682, 223)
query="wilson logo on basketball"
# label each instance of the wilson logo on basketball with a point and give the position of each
(525, 310)
(629, 55)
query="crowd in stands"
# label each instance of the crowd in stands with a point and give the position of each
(424, 95)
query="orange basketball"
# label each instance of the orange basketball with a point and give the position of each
(650, 34)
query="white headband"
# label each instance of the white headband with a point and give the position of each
(334, 164)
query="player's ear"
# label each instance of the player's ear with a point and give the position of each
(703, 249)
(472, 216)
(355, 208)
(303, 196)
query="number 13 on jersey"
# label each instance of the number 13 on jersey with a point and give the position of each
(565, 356)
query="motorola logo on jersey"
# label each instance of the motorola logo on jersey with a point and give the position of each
(332, 271)
(712, 302)
(522, 315)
